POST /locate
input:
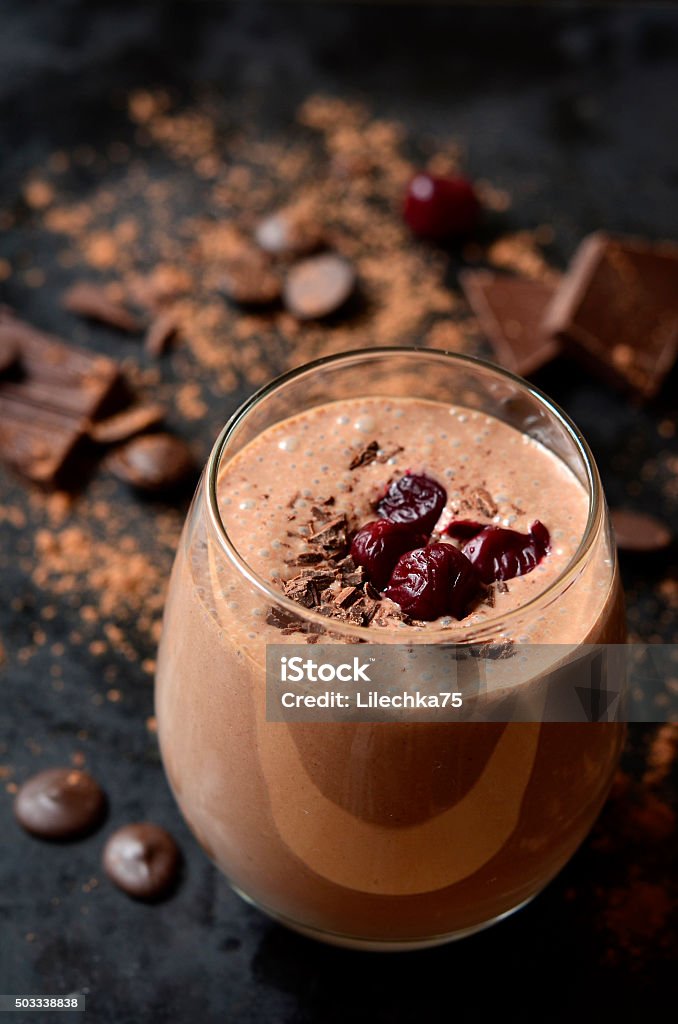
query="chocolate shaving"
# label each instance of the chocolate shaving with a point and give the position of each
(385, 456)
(306, 558)
(335, 587)
(332, 537)
(302, 591)
(346, 596)
(284, 620)
(365, 456)
(484, 502)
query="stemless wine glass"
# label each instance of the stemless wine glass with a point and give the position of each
(377, 835)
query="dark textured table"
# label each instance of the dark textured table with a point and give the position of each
(573, 112)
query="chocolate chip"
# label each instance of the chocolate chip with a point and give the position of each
(142, 860)
(288, 232)
(60, 803)
(87, 299)
(639, 531)
(248, 279)
(126, 424)
(153, 462)
(319, 286)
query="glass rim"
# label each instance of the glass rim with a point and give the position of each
(268, 589)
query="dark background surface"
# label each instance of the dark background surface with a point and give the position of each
(572, 111)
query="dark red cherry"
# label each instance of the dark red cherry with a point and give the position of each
(500, 554)
(378, 546)
(415, 499)
(438, 207)
(433, 581)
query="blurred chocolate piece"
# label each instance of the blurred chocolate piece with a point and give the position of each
(9, 353)
(161, 333)
(639, 532)
(289, 232)
(617, 311)
(60, 803)
(45, 411)
(153, 462)
(510, 311)
(142, 859)
(248, 279)
(87, 299)
(319, 286)
(127, 423)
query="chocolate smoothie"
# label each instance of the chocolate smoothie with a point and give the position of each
(387, 835)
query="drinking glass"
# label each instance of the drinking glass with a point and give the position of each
(377, 835)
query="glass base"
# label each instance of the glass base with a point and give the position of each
(379, 945)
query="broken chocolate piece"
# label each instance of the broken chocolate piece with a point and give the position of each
(639, 532)
(91, 300)
(510, 311)
(126, 424)
(160, 334)
(319, 286)
(44, 414)
(617, 311)
(153, 462)
(332, 537)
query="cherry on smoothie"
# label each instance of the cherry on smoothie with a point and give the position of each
(438, 207)
(414, 499)
(501, 554)
(378, 546)
(433, 581)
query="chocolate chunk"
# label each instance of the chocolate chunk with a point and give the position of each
(307, 558)
(87, 299)
(365, 455)
(639, 531)
(126, 424)
(9, 353)
(154, 462)
(282, 619)
(142, 860)
(302, 591)
(510, 311)
(346, 596)
(617, 311)
(332, 537)
(60, 803)
(161, 333)
(44, 413)
(319, 286)
(248, 279)
(289, 232)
